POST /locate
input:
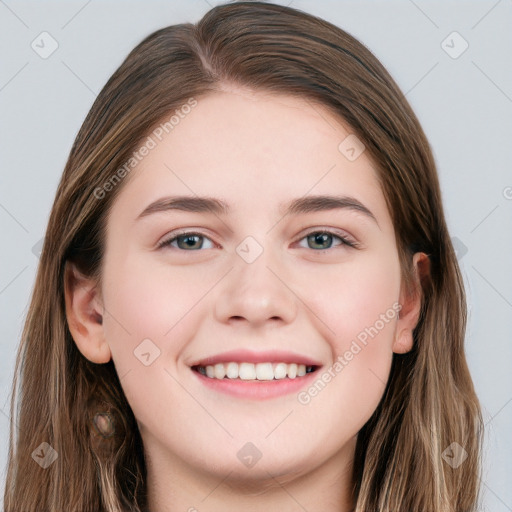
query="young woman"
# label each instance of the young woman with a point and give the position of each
(247, 297)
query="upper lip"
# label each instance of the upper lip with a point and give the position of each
(249, 356)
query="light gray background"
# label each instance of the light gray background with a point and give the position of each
(463, 103)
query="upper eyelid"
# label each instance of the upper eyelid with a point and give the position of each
(335, 232)
(168, 239)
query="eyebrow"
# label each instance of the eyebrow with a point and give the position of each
(301, 205)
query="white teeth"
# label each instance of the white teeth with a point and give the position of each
(232, 370)
(250, 371)
(280, 370)
(264, 371)
(246, 371)
(219, 371)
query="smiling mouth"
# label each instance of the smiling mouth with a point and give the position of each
(254, 371)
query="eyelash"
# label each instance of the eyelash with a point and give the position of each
(344, 240)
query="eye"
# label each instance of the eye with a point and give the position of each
(187, 241)
(192, 241)
(324, 240)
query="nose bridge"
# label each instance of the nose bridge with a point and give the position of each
(254, 290)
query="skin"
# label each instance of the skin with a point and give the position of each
(254, 151)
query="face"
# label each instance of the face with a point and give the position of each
(317, 285)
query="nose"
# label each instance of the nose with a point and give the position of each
(258, 293)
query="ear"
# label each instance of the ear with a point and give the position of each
(84, 313)
(410, 301)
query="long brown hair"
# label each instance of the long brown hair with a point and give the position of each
(79, 407)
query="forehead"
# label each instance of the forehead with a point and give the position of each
(256, 150)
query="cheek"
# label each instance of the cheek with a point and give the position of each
(147, 300)
(358, 308)
(151, 316)
(349, 299)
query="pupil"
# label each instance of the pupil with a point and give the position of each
(321, 238)
(189, 240)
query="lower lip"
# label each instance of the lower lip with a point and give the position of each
(257, 389)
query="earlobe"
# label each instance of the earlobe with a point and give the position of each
(411, 301)
(84, 315)
(404, 342)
